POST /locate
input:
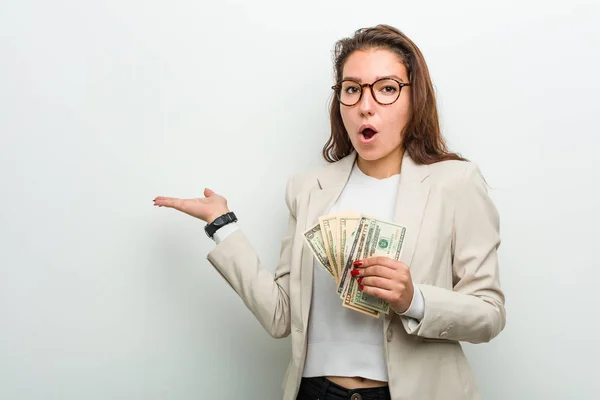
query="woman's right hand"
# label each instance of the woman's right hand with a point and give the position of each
(207, 209)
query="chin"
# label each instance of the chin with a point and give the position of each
(370, 154)
(374, 153)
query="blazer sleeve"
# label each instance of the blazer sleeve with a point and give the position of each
(265, 295)
(473, 311)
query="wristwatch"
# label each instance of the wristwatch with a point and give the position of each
(220, 222)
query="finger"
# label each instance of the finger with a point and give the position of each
(171, 202)
(383, 294)
(208, 192)
(379, 260)
(375, 270)
(158, 198)
(377, 282)
(163, 198)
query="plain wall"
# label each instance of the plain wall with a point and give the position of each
(105, 105)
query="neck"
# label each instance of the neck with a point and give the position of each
(384, 167)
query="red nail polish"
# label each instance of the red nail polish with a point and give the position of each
(357, 263)
(354, 272)
(359, 280)
(361, 287)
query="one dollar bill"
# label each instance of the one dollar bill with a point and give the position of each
(314, 239)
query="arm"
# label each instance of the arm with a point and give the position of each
(473, 310)
(267, 297)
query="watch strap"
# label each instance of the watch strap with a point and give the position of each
(219, 222)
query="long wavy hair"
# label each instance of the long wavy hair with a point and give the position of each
(422, 138)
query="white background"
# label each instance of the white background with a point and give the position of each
(105, 105)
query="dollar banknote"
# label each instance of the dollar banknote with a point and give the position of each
(328, 229)
(346, 225)
(314, 239)
(383, 239)
(338, 240)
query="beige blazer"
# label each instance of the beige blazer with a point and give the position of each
(451, 242)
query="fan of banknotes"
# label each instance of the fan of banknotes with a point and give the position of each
(342, 238)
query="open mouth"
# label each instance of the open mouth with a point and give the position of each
(368, 132)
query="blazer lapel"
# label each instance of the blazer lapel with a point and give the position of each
(331, 182)
(413, 192)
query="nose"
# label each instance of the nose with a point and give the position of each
(366, 105)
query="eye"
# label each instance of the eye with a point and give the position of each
(388, 89)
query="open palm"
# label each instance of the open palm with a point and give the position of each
(207, 209)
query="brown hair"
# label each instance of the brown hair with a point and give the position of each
(421, 135)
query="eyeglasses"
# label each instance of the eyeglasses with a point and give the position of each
(385, 91)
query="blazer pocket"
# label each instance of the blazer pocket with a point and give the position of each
(432, 340)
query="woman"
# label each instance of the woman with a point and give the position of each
(386, 158)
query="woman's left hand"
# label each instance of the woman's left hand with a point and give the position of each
(387, 279)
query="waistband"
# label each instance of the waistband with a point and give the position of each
(321, 386)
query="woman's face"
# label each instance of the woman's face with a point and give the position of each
(386, 121)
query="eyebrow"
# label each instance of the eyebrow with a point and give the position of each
(376, 78)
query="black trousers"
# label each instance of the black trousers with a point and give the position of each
(323, 389)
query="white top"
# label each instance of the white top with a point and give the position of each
(343, 342)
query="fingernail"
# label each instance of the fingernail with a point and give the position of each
(357, 263)
(361, 287)
(354, 272)
(359, 280)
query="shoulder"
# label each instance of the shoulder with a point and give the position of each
(455, 174)
(463, 185)
(451, 170)
(304, 180)
(317, 177)
(325, 173)
(301, 182)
